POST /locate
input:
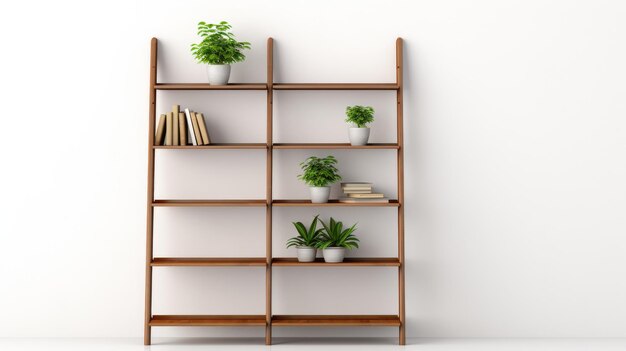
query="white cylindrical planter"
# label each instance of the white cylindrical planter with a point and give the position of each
(359, 136)
(319, 194)
(306, 253)
(334, 254)
(218, 74)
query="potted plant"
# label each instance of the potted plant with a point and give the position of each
(334, 240)
(359, 116)
(306, 240)
(319, 173)
(219, 50)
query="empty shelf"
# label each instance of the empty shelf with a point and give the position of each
(335, 86)
(336, 320)
(204, 203)
(206, 321)
(212, 261)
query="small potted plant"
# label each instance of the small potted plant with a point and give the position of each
(334, 240)
(359, 116)
(306, 240)
(319, 173)
(219, 50)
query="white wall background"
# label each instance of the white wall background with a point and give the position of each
(515, 148)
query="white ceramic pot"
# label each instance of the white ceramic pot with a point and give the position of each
(218, 74)
(319, 194)
(306, 253)
(334, 254)
(359, 136)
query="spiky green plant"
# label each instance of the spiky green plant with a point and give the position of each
(360, 115)
(334, 235)
(218, 45)
(319, 171)
(306, 237)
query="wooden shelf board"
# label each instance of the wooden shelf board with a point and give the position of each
(391, 203)
(347, 262)
(206, 320)
(335, 320)
(207, 261)
(215, 146)
(334, 146)
(206, 203)
(278, 86)
(205, 86)
(335, 86)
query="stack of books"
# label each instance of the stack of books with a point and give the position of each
(359, 192)
(181, 128)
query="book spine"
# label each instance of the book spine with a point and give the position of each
(192, 136)
(365, 196)
(203, 130)
(160, 133)
(168, 129)
(354, 201)
(196, 128)
(182, 128)
(175, 132)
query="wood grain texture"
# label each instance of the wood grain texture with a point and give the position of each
(221, 146)
(207, 320)
(147, 335)
(308, 203)
(207, 261)
(205, 86)
(335, 320)
(268, 188)
(347, 262)
(335, 86)
(334, 146)
(400, 140)
(209, 203)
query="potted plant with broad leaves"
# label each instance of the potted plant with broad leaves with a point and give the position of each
(319, 173)
(359, 116)
(334, 240)
(218, 49)
(306, 240)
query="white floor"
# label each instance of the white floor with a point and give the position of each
(362, 344)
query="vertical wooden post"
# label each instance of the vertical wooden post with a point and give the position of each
(150, 192)
(268, 179)
(400, 140)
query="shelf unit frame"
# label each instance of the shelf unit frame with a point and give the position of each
(269, 320)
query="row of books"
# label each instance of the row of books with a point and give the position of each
(359, 192)
(181, 128)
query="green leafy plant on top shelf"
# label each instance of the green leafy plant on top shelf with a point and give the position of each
(360, 115)
(306, 236)
(319, 172)
(334, 235)
(218, 45)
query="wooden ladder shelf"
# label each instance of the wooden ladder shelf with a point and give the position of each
(269, 320)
